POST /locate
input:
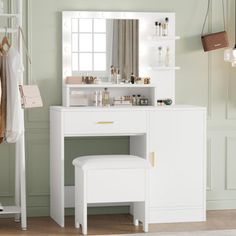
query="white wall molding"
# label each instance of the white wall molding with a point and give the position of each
(209, 164)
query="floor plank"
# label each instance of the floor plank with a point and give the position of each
(115, 224)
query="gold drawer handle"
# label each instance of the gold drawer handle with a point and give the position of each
(153, 159)
(105, 122)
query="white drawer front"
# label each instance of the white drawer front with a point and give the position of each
(106, 122)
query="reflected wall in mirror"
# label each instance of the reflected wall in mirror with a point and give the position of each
(98, 44)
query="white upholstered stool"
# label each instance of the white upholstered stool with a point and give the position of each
(111, 179)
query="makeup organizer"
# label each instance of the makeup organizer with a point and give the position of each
(19, 209)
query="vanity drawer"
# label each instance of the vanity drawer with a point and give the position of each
(106, 122)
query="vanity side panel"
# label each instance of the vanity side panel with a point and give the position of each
(57, 167)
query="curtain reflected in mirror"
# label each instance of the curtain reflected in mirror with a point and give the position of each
(125, 45)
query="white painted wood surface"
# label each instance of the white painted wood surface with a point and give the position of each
(175, 133)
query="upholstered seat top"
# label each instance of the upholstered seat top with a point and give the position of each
(111, 162)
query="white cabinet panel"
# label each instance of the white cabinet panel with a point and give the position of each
(178, 140)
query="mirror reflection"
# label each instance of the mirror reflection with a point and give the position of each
(99, 44)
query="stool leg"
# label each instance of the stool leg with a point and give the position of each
(77, 223)
(145, 227)
(84, 224)
(136, 222)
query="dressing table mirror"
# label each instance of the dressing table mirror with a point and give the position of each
(96, 43)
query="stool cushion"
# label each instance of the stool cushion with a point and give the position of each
(111, 162)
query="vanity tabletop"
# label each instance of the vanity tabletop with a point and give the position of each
(128, 108)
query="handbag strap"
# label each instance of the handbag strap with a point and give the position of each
(207, 13)
(21, 35)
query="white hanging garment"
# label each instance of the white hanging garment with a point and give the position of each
(14, 121)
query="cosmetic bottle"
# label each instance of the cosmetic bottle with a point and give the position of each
(165, 30)
(106, 98)
(118, 77)
(100, 98)
(95, 98)
(134, 100)
(111, 75)
(138, 99)
(160, 56)
(159, 29)
(156, 28)
(167, 57)
(132, 78)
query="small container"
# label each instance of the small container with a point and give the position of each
(156, 28)
(106, 98)
(160, 29)
(100, 99)
(134, 100)
(167, 57)
(165, 27)
(160, 56)
(118, 77)
(95, 98)
(143, 102)
(132, 78)
(138, 99)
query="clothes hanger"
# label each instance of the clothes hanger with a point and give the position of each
(5, 42)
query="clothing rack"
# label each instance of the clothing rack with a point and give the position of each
(19, 209)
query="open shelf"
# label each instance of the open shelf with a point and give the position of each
(10, 210)
(104, 85)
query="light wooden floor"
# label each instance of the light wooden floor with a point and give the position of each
(115, 224)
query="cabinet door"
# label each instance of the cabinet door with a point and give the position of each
(178, 140)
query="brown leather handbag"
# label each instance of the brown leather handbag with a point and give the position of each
(216, 40)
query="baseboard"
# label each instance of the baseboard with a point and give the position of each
(160, 215)
(221, 204)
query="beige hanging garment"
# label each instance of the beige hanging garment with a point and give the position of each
(3, 106)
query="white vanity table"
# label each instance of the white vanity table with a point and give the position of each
(173, 137)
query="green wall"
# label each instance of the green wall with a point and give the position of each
(204, 79)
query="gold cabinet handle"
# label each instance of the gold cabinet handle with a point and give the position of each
(105, 122)
(153, 159)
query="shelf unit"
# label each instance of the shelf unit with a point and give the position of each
(106, 85)
(162, 78)
(116, 90)
(19, 209)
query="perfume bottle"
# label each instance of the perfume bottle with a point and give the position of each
(167, 57)
(160, 29)
(156, 28)
(160, 57)
(132, 78)
(118, 77)
(165, 26)
(106, 98)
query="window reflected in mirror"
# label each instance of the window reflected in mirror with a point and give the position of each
(97, 44)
